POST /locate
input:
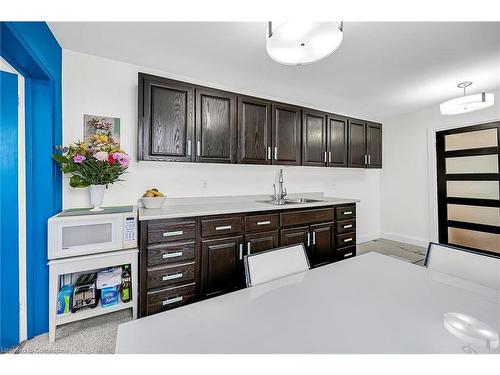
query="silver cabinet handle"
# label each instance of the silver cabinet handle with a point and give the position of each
(347, 212)
(189, 148)
(347, 226)
(172, 255)
(241, 251)
(172, 300)
(325, 156)
(248, 248)
(275, 153)
(268, 156)
(348, 239)
(223, 227)
(347, 255)
(263, 222)
(172, 276)
(369, 159)
(329, 156)
(366, 162)
(314, 238)
(308, 239)
(198, 148)
(174, 233)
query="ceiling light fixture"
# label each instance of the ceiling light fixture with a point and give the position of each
(467, 103)
(301, 43)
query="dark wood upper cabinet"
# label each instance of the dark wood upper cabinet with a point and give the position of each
(374, 144)
(286, 121)
(222, 265)
(313, 138)
(166, 119)
(336, 147)
(357, 144)
(215, 126)
(254, 131)
(180, 121)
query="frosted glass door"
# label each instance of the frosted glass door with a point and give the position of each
(469, 187)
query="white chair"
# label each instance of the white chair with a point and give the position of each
(470, 265)
(275, 263)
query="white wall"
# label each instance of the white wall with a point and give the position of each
(405, 198)
(100, 86)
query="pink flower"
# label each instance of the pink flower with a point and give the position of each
(101, 155)
(79, 159)
(124, 161)
(117, 155)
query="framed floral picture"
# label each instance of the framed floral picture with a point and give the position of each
(105, 128)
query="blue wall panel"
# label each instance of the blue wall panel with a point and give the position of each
(9, 235)
(33, 51)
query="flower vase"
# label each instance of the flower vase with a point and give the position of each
(96, 196)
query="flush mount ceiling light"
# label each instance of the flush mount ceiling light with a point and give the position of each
(467, 103)
(300, 43)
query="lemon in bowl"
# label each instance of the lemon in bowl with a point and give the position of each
(153, 198)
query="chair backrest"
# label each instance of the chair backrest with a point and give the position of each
(466, 264)
(275, 263)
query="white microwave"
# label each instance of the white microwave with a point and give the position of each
(73, 233)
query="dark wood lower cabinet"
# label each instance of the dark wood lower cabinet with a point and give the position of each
(222, 265)
(257, 242)
(189, 259)
(321, 249)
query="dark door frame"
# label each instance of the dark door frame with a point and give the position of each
(441, 180)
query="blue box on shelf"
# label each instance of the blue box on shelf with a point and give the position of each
(110, 296)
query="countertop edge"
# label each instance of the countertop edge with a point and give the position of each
(261, 207)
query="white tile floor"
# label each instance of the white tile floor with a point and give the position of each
(98, 335)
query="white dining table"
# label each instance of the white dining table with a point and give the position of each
(367, 304)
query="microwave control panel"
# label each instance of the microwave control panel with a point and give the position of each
(130, 229)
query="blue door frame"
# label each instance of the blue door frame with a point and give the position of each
(31, 49)
(9, 238)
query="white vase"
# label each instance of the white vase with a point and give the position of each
(96, 196)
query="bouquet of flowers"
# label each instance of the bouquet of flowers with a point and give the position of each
(98, 161)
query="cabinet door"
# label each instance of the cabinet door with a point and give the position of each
(294, 236)
(257, 242)
(374, 144)
(254, 131)
(222, 265)
(357, 144)
(313, 138)
(321, 250)
(286, 134)
(215, 126)
(166, 119)
(337, 141)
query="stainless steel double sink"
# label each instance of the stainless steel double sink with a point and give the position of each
(284, 202)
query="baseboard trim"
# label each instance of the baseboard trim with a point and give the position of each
(406, 239)
(367, 238)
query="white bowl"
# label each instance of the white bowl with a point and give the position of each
(153, 202)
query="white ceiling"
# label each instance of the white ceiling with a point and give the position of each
(380, 69)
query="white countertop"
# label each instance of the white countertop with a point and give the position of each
(201, 206)
(368, 304)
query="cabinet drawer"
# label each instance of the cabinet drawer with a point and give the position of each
(170, 275)
(164, 299)
(221, 226)
(171, 230)
(346, 252)
(345, 226)
(261, 222)
(170, 253)
(347, 239)
(306, 217)
(346, 212)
